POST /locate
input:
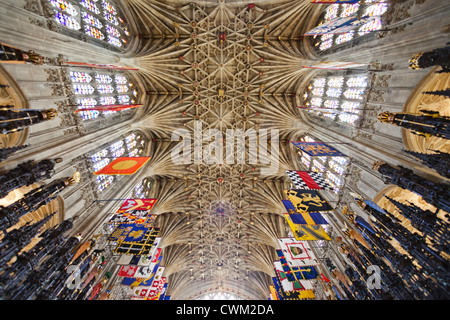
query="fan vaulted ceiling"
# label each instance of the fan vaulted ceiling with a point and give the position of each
(220, 65)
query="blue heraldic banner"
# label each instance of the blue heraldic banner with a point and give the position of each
(141, 282)
(317, 149)
(302, 273)
(303, 218)
(129, 232)
(137, 242)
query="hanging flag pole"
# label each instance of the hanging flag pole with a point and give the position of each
(322, 142)
(110, 107)
(97, 66)
(110, 200)
(324, 108)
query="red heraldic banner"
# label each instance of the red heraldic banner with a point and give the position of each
(136, 204)
(155, 289)
(123, 166)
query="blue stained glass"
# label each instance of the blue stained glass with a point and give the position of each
(89, 18)
(83, 89)
(139, 190)
(350, 106)
(130, 137)
(64, 6)
(111, 18)
(67, 21)
(326, 44)
(360, 82)
(107, 100)
(116, 145)
(332, 12)
(370, 26)
(306, 161)
(77, 76)
(340, 160)
(123, 99)
(90, 5)
(105, 88)
(113, 31)
(376, 9)
(103, 78)
(97, 156)
(104, 182)
(331, 104)
(120, 79)
(87, 102)
(335, 82)
(108, 7)
(101, 164)
(334, 178)
(93, 32)
(114, 41)
(131, 144)
(87, 115)
(354, 93)
(349, 9)
(121, 88)
(317, 92)
(334, 92)
(134, 152)
(344, 37)
(320, 82)
(118, 152)
(336, 167)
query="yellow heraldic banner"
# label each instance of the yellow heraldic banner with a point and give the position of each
(123, 166)
(305, 231)
(307, 201)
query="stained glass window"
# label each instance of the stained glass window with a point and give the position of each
(77, 76)
(334, 92)
(120, 79)
(114, 41)
(103, 78)
(349, 9)
(100, 89)
(93, 21)
(83, 89)
(122, 88)
(107, 100)
(99, 20)
(138, 191)
(112, 31)
(64, 6)
(67, 21)
(123, 99)
(330, 168)
(131, 145)
(90, 5)
(361, 9)
(338, 97)
(335, 82)
(105, 88)
(93, 32)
